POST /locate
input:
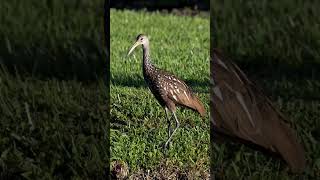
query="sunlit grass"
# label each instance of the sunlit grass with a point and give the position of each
(139, 128)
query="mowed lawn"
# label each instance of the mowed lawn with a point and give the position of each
(277, 44)
(179, 44)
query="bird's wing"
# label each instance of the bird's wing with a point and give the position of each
(240, 109)
(178, 91)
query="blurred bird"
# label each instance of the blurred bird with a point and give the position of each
(243, 113)
(168, 89)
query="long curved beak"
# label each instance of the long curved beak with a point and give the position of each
(133, 47)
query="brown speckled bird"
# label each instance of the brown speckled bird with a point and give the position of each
(241, 111)
(167, 88)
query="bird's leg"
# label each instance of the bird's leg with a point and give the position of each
(168, 121)
(177, 126)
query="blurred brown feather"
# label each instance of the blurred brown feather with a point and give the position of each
(242, 111)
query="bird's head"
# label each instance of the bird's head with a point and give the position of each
(141, 40)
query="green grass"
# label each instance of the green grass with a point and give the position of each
(139, 127)
(277, 44)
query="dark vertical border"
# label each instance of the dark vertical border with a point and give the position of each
(213, 43)
(106, 23)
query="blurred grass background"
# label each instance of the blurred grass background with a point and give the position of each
(61, 39)
(179, 44)
(53, 99)
(277, 43)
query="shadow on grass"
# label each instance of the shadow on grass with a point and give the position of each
(81, 60)
(200, 86)
(84, 60)
(153, 5)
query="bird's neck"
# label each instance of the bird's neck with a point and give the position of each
(147, 65)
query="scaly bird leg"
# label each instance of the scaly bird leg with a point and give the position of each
(174, 131)
(169, 122)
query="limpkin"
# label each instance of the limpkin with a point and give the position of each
(168, 89)
(242, 112)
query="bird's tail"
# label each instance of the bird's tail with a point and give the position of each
(198, 106)
(295, 157)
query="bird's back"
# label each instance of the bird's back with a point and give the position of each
(170, 90)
